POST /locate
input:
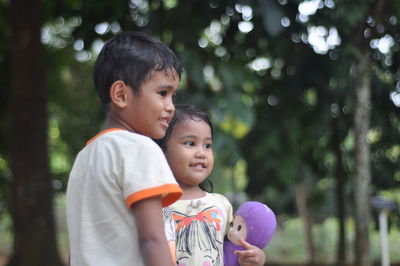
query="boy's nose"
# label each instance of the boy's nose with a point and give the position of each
(170, 107)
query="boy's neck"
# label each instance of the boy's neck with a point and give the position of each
(194, 192)
(113, 121)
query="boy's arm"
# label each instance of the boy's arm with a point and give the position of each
(150, 227)
(251, 255)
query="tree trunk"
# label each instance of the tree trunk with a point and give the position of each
(340, 184)
(31, 207)
(304, 213)
(362, 175)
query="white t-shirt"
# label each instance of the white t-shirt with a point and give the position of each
(116, 169)
(201, 227)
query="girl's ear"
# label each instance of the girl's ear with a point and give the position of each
(119, 94)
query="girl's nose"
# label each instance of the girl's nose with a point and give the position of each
(200, 152)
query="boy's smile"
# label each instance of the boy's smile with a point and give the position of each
(165, 121)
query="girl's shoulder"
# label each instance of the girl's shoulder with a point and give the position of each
(210, 199)
(215, 195)
(220, 198)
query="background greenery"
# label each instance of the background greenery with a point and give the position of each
(278, 78)
(287, 246)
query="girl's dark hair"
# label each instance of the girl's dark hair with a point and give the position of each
(131, 57)
(185, 112)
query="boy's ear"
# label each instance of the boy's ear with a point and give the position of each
(119, 93)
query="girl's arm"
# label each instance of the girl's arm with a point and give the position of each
(150, 227)
(251, 255)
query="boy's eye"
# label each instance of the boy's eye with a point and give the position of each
(163, 93)
(231, 224)
(239, 227)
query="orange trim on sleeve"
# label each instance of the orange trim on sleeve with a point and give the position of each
(169, 192)
(102, 133)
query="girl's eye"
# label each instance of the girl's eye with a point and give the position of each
(239, 227)
(231, 224)
(207, 146)
(163, 93)
(189, 143)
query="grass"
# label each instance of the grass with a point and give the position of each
(287, 246)
(5, 234)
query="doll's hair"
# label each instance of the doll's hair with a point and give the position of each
(260, 222)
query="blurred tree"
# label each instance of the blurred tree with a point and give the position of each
(320, 86)
(33, 223)
(5, 175)
(273, 74)
(371, 21)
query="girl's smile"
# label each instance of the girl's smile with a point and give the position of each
(189, 152)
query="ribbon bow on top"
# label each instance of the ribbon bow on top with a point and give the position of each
(211, 216)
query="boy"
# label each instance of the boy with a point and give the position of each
(121, 180)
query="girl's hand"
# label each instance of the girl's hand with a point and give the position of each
(251, 255)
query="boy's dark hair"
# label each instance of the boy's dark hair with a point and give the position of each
(131, 57)
(185, 112)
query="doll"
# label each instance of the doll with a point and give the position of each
(255, 222)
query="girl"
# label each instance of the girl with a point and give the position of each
(202, 218)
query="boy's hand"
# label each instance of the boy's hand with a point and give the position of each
(251, 255)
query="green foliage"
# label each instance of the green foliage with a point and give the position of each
(5, 233)
(300, 97)
(271, 14)
(274, 120)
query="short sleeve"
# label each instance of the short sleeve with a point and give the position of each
(145, 172)
(229, 211)
(170, 224)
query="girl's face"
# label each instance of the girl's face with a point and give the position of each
(189, 152)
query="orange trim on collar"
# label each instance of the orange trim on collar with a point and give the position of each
(102, 133)
(169, 192)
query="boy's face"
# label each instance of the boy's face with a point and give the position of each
(189, 152)
(150, 112)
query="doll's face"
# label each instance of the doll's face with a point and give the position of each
(237, 230)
